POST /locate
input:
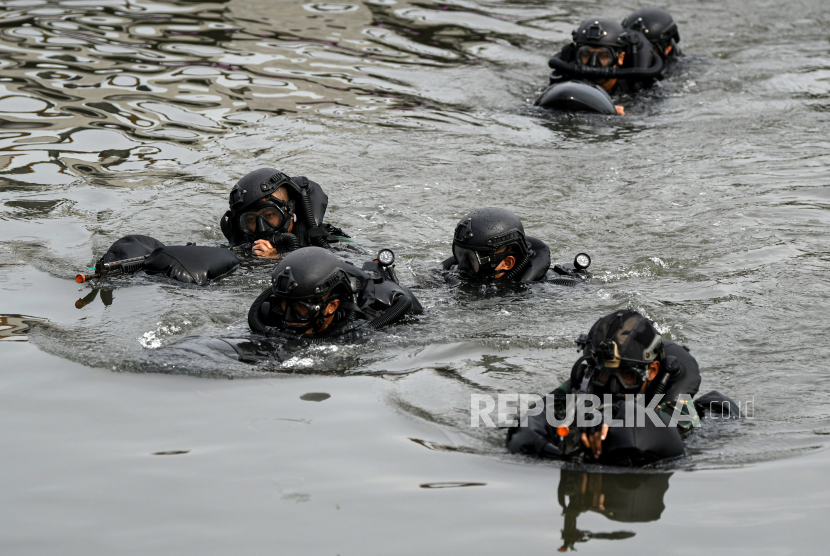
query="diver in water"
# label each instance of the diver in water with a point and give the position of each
(623, 355)
(606, 54)
(490, 244)
(314, 297)
(314, 294)
(273, 214)
(659, 28)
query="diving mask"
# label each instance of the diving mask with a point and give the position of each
(596, 56)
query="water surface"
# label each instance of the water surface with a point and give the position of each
(705, 208)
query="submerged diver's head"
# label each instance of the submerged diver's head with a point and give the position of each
(659, 28)
(309, 286)
(491, 243)
(624, 349)
(599, 43)
(260, 206)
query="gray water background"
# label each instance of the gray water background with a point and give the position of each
(705, 208)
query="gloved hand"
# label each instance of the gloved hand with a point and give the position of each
(523, 439)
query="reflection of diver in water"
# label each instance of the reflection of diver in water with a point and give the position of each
(15, 328)
(623, 497)
(106, 297)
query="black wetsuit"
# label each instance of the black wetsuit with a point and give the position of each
(623, 445)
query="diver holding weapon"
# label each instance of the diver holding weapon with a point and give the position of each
(625, 361)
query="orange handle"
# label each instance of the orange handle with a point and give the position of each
(81, 278)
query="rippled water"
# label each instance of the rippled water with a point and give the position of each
(705, 207)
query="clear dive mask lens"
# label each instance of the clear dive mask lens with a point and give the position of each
(468, 260)
(300, 312)
(479, 263)
(595, 56)
(269, 215)
(630, 378)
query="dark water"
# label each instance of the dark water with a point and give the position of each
(705, 208)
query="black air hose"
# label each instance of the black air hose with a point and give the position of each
(309, 216)
(575, 371)
(516, 271)
(607, 73)
(671, 372)
(253, 316)
(401, 306)
(285, 241)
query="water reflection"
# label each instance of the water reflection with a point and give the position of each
(106, 297)
(168, 77)
(622, 497)
(16, 328)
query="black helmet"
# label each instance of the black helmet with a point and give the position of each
(598, 42)
(600, 32)
(483, 232)
(657, 25)
(249, 217)
(630, 343)
(304, 283)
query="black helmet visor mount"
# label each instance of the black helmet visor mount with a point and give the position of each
(619, 350)
(599, 32)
